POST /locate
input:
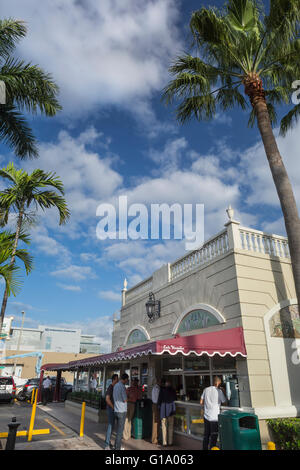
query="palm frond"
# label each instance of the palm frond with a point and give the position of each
(11, 31)
(289, 120)
(15, 132)
(28, 87)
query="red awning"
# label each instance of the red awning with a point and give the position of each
(220, 342)
(217, 342)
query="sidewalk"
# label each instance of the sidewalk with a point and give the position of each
(94, 434)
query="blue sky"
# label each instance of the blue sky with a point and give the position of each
(115, 137)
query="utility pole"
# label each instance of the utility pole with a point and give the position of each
(19, 343)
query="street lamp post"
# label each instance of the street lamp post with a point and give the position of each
(19, 343)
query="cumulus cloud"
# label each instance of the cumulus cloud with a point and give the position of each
(110, 295)
(108, 53)
(256, 170)
(75, 272)
(69, 287)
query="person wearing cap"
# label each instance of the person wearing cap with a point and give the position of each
(134, 393)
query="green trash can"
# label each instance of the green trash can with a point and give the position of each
(239, 430)
(142, 420)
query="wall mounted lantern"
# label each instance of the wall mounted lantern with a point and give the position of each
(152, 308)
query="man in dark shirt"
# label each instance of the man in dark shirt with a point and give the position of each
(166, 399)
(110, 410)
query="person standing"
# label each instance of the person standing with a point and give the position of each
(110, 410)
(94, 384)
(134, 393)
(212, 397)
(155, 412)
(47, 387)
(167, 408)
(120, 408)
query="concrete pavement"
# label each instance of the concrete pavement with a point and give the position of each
(95, 432)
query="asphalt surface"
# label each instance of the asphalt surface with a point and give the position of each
(22, 412)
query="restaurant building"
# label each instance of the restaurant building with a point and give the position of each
(227, 309)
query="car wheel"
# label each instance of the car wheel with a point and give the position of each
(20, 397)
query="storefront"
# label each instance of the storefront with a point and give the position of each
(228, 308)
(190, 362)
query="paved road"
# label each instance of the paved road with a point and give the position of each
(22, 411)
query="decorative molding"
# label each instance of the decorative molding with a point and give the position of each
(141, 328)
(206, 307)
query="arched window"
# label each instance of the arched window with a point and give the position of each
(136, 336)
(196, 320)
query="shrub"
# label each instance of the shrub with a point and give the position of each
(286, 433)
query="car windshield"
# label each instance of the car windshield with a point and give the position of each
(6, 381)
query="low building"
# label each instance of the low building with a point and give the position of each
(56, 345)
(227, 309)
(26, 366)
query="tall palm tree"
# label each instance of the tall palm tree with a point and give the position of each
(8, 271)
(242, 50)
(27, 190)
(28, 88)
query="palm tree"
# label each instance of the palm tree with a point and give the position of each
(28, 88)
(240, 48)
(8, 271)
(24, 191)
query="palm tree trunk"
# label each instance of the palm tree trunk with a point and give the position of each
(283, 187)
(12, 261)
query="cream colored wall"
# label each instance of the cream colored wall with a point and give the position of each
(263, 282)
(214, 285)
(241, 285)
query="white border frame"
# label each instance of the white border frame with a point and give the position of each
(207, 307)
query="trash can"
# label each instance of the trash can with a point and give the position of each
(239, 430)
(142, 420)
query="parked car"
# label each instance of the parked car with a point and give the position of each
(32, 384)
(7, 389)
(26, 391)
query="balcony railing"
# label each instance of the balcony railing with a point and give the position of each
(260, 242)
(213, 248)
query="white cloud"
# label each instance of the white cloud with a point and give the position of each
(101, 53)
(75, 272)
(257, 172)
(110, 295)
(69, 287)
(47, 245)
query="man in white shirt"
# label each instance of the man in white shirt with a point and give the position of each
(212, 398)
(47, 386)
(155, 412)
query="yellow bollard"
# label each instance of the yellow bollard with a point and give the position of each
(271, 445)
(32, 395)
(30, 432)
(215, 448)
(82, 419)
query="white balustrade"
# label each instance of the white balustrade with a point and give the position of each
(214, 247)
(260, 242)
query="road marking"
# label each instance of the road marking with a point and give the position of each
(55, 427)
